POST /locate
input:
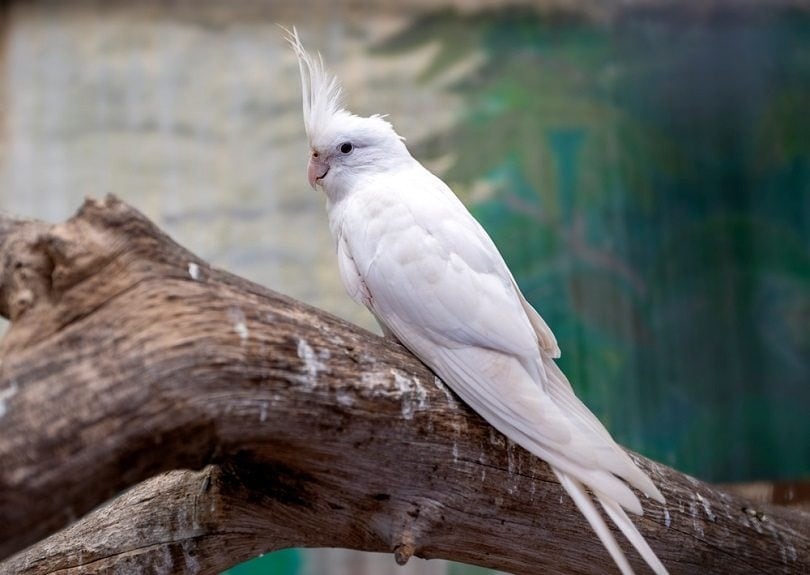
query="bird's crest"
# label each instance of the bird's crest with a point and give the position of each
(322, 94)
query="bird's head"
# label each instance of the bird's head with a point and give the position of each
(343, 146)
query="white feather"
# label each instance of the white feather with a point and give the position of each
(410, 251)
(588, 509)
(622, 521)
(322, 94)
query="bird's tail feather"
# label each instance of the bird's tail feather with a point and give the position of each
(587, 507)
(622, 521)
(616, 460)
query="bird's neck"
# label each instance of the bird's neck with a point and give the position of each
(346, 182)
(348, 189)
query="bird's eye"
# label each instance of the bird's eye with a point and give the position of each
(346, 148)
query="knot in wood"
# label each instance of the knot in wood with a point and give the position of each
(403, 552)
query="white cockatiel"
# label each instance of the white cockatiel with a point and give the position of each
(411, 253)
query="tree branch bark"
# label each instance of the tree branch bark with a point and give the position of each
(249, 422)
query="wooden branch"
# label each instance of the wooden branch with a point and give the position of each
(128, 357)
(791, 493)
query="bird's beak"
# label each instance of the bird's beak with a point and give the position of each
(316, 169)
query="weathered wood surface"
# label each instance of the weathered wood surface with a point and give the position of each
(128, 357)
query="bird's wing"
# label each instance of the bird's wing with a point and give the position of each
(545, 337)
(440, 285)
(435, 270)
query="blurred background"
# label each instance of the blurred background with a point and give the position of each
(643, 166)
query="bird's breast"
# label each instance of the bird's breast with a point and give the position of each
(394, 235)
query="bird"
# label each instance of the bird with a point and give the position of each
(410, 251)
